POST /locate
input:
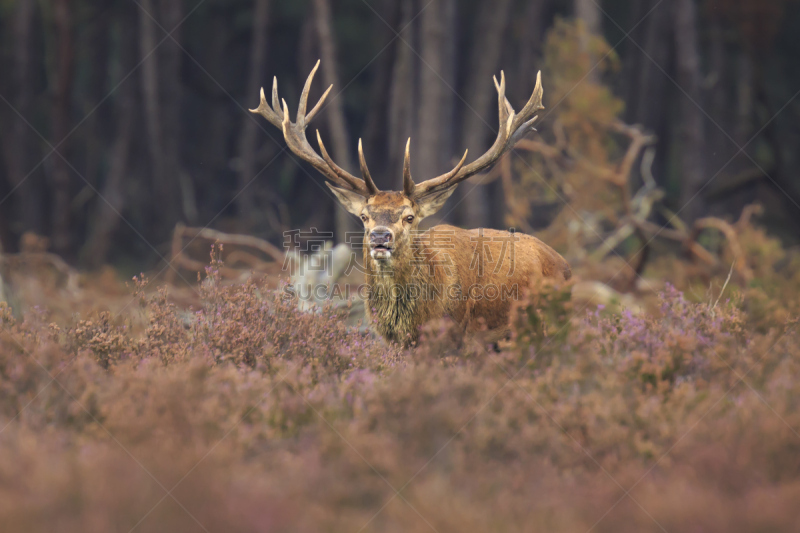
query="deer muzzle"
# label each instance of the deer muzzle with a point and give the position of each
(381, 240)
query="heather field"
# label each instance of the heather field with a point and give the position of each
(657, 389)
(246, 414)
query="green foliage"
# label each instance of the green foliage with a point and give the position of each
(581, 111)
(575, 61)
(543, 317)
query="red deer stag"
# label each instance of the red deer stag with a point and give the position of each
(415, 276)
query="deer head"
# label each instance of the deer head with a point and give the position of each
(390, 218)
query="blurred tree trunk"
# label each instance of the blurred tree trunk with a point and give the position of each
(152, 109)
(401, 98)
(589, 12)
(530, 45)
(97, 38)
(479, 122)
(645, 85)
(344, 221)
(723, 85)
(690, 118)
(377, 130)
(209, 157)
(249, 135)
(107, 215)
(744, 98)
(718, 77)
(528, 30)
(61, 233)
(171, 89)
(448, 128)
(30, 196)
(433, 144)
(161, 113)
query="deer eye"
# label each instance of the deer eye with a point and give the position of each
(410, 218)
(363, 218)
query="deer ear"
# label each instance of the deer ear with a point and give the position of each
(431, 203)
(351, 201)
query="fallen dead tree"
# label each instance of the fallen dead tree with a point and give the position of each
(630, 216)
(245, 254)
(33, 258)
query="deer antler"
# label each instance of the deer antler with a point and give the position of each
(295, 135)
(513, 127)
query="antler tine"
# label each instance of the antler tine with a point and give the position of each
(295, 135)
(504, 106)
(365, 171)
(317, 107)
(301, 107)
(436, 183)
(268, 113)
(497, 86)
(522, 131)
(533, 105)
(408, 184)
(276, 103)
(351, 180)
(513, 127)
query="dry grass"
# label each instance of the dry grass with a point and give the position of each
(247, 415)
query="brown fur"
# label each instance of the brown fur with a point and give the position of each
(443, 263)
(403, 260)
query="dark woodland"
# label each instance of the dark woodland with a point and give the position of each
(120, 119)
(645, 378)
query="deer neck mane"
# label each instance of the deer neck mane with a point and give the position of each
(394, 293)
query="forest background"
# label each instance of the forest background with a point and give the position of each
(120, 119)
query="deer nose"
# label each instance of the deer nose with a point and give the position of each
(380, 236)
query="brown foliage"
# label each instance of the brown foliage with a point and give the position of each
(248, 414)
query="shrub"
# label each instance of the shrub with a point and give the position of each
(247, 414)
